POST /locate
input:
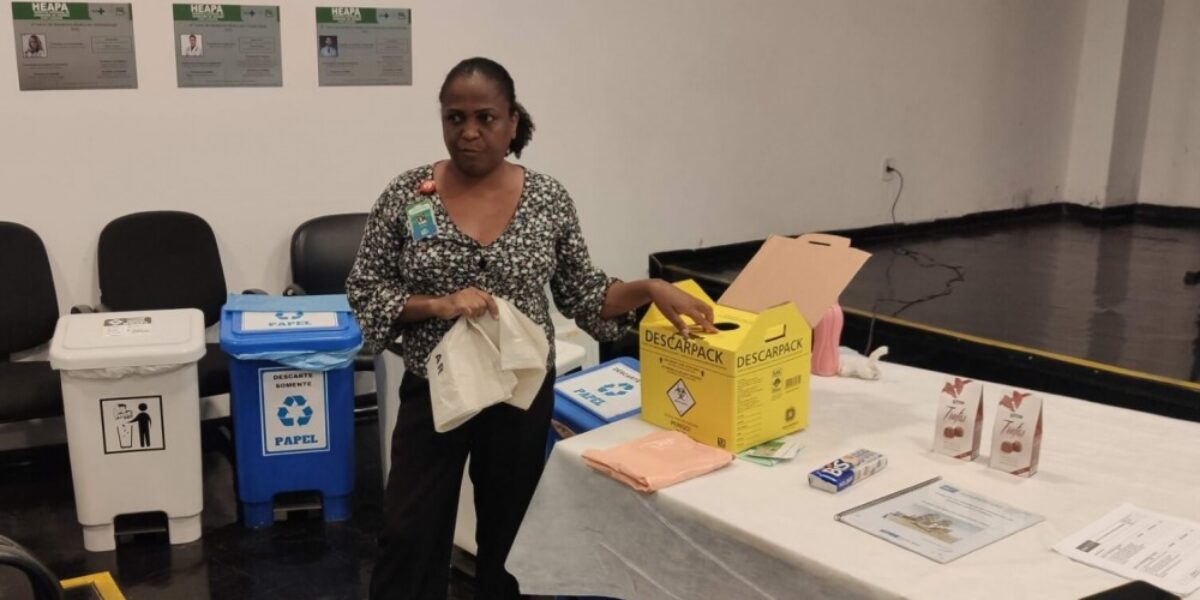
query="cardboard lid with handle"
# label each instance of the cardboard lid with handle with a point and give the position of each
(128, 339)
(809, 271)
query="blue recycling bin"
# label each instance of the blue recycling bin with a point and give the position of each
(594, 397)
(292, 400)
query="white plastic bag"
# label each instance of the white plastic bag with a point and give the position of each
(484, 361)
(523, 352)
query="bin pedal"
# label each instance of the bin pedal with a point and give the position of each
(139, 524)
(462, 561)
(291, 505)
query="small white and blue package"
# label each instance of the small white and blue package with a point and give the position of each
(846, 471)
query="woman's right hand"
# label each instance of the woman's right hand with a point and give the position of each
(470, 302)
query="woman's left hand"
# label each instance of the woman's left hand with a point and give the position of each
(675, 303)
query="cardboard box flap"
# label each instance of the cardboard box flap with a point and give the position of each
(776, 323)
(809, 271)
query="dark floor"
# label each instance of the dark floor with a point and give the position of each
(1098, 312)
(1113, 295)
(304, 558)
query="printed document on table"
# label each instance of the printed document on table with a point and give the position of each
(938, 520)
(1141, 544)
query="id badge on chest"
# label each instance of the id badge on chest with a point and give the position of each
(420, 221)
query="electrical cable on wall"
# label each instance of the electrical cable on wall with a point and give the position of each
(921, 259)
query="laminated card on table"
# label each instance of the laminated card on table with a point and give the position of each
(938, 520)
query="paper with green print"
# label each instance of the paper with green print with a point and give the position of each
(227, 45)
(74, 46)
(364, 46)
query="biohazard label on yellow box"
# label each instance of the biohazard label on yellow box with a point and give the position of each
(740, 387)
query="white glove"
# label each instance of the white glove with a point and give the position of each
(863, 367)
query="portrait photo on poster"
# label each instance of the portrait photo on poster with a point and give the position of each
(33, 46)
(191, 44)
(327, 46)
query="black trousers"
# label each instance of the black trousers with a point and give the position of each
(507, 449)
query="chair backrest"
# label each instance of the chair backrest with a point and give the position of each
(161, 260)
(323, 251)
(28, 304)
(45, 584)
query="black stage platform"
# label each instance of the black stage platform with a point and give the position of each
(1060, 298)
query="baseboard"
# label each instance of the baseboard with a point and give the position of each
(1167, 216)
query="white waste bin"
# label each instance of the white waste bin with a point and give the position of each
(131, 402)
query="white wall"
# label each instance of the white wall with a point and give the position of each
(1171, 171)
(1112, 101)
(674, 124)
(1096, 92)
(1138, 61)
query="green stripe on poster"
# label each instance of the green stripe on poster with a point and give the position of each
(50, 11)
(207, 12)
(347, 15)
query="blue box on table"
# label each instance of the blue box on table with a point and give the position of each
(595, 397)
(293, 425)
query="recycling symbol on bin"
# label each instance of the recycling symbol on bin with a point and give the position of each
(285, 411)
(615, 389)
(284, 315)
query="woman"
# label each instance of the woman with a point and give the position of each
(441, 241)
(34, 48)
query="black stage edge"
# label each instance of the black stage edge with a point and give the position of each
(920, 345)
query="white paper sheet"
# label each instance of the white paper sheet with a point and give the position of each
(1140, 544)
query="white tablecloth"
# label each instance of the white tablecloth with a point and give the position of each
(750, 531)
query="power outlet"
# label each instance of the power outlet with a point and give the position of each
(885, 168)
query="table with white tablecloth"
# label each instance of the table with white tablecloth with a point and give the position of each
(751, 531)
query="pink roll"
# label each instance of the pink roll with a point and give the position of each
(827, 336)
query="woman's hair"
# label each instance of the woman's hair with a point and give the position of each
(497, 73)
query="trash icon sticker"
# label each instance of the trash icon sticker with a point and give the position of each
(133, 424)
(293, 411)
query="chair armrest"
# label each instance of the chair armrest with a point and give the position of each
(364, 362)
(84, 309)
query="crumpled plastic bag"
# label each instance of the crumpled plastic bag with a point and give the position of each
(325, 360)
(122, 372)
(485, 361)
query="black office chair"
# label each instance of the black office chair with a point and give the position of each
(28, 313)
(164, 260)
(45, 585)
(323, 251)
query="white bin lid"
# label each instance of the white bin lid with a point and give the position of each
(128, 339)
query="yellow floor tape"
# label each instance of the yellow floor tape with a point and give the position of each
(1082, 362)
(102, 583)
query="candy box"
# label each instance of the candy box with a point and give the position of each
(1017, 434)
(958, 426)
